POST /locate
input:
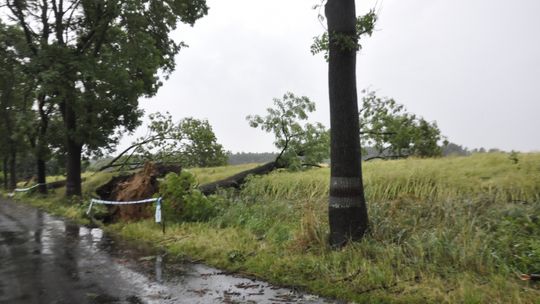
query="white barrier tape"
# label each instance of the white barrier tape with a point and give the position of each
(150, 200)
(28, 189)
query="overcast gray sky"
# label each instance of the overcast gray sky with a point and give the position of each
(471, 65)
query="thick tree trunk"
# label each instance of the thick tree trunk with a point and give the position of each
(13, 168)
(40, 146)
(237, 180)
(347, 207)
(5, 170)
(41, 175)
(73, 169)
(73, 153)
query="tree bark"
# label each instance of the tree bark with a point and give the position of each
(73, 153)
(237, 180)
(12, 167)
(41, 175)
(73, 169)
(5, 171)
(40, 145)
(347, 207)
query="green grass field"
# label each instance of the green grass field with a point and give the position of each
(449, 230)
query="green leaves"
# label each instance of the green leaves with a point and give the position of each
(393, 132)
(184, 202)
(16, 93)
(364, 26)
(190, 142)
(99, 57)
(300, 143)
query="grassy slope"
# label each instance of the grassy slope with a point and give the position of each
(442, 230)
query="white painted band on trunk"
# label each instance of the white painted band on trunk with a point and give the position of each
(344, 183)
(345, 202)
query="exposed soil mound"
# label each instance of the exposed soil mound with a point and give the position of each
(141, 185)
(133, 187)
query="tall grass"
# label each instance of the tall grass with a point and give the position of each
(442, 230)
(491, 175)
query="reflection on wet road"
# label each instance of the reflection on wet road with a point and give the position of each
(44, 259)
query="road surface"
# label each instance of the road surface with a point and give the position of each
(45, 259)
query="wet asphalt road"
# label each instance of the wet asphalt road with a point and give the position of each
(44, 259)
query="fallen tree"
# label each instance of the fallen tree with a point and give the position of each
(302, 144)
(190, 142)
(237, 180)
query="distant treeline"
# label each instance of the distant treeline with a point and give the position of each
(451, 149)
(249, 157)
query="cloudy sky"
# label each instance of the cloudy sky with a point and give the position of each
(472, 66)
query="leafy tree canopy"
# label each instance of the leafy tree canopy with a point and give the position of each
(191, 142)
(101, 56)
(393, 132)
(301, 143)
(92, 61)
(16, 93)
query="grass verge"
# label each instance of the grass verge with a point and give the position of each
(451, 230)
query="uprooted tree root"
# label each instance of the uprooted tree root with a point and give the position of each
(137, 186)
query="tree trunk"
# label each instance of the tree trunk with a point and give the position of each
(5, 170)
(73, 153)
(40, 146)
(347, 207)
(73, 169)
(12, 168)
(41, 175)
(237, 180)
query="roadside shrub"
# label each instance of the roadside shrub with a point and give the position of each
(184, 202)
